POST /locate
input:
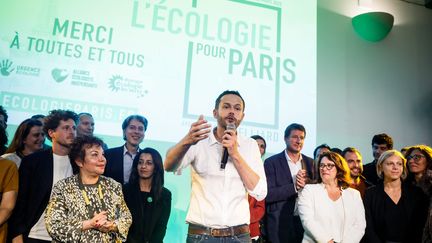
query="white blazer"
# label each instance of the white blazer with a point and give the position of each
(315, 207)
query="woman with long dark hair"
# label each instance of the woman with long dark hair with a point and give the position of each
(147, 199)
(419, 160)
(419, 163)
(28, 139)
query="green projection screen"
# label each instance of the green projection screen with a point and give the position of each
(167, 60)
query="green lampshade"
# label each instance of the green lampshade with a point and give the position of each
(373, 26)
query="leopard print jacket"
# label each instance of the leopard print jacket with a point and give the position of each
(67, 210)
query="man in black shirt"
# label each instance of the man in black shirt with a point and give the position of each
(380, 143)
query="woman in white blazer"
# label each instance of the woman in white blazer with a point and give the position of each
(330, 211)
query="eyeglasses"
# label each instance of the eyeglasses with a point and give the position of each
(327, 166)
(416, 157)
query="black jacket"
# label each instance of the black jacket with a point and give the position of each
(115, 165)
(35, 184)
(415, 206)
(370, 173)
(148, 223)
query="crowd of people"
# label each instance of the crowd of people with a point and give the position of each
(79, 190)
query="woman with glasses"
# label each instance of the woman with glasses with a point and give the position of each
(330, 211)
(419, 159)
(420, 167)
(148, 200)
(395, 211)
(87, 207)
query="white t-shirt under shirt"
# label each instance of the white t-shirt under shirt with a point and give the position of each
(337, 219)
(61, 169)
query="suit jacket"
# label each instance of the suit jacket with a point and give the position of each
(114, 167)
(35, 184)
(415, 206)
(315, 208)
(281, 226)
(148, 224)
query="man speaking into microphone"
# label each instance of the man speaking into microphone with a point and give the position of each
(218, 206)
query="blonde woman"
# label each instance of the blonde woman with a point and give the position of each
(395, 211)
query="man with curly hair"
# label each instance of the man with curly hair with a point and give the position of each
(37, 175)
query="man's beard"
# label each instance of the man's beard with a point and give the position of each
(224, 124)
(64, 144)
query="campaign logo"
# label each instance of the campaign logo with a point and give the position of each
(118, 83)
(59, 75)
(115, 82)
(6, 67)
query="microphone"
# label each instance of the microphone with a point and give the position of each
(224, 160)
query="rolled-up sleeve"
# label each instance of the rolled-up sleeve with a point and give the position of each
(260, 190)
(186, 160)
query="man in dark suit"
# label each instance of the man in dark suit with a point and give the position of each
(119, 159)
(286, 172)
(38, 173)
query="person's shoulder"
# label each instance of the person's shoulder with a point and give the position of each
(115, 149)
(166, 193)
(129, 188)
(314, 186)
(37, 158)
(39, 154)
(8, 168)
(311, 190)
(9, 156)
(409, 188)
(109, 153)
(71, 180)
(369, 166)
(275, 157)
(305, 157)
(67, 182)
(373, 190)
(351, 191)
(7, 163)
(110, 182)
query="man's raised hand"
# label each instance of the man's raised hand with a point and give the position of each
(199, 130)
